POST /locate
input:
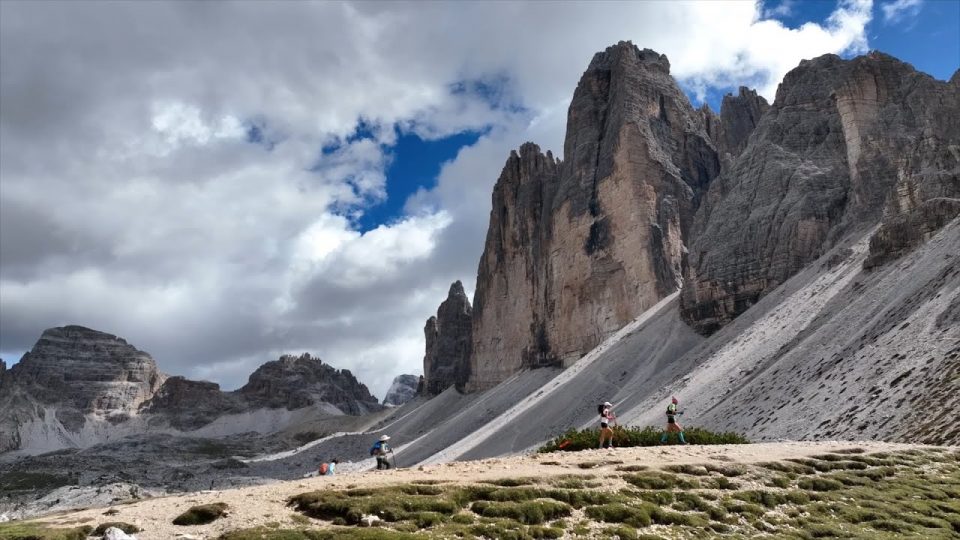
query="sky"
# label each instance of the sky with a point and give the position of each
(222, 183)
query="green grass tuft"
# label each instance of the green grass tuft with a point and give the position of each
(527, 512)
(201, 514)
(659, 480)
(21, 530)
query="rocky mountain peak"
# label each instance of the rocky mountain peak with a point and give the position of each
(448, 341)
(87, 372)
(293, 382)
(625, 53)
(402, 390)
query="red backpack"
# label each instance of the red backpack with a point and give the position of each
(324, 468)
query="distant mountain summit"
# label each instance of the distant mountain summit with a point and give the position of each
(78, 387)
(403, 389)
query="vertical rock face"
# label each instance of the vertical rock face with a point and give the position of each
(85, 371)
(402, 390)
(576, 250)
(844, 144)
(293, 382)
(739, 116)
(509, 319)
(447, 359)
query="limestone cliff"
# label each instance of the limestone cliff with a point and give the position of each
(448, 337)
(845, 143)
(577, 249)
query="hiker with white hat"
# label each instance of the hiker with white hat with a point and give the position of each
(380, 449)
(606, 418)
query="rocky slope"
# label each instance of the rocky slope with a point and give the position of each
(403, 389)
(78, 387)
(845, 143)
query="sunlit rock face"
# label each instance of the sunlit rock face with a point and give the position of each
(577, 249)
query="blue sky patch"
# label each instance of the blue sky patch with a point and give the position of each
(415, 163)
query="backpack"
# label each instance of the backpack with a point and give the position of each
(375, 449)
(324, 468)
(600, 409)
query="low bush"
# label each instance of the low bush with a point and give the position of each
(819, 484)
(201, 514)
(619, 513)
(19, 530)
(263, 533)
(659, 480)
(527, 512)
(574, 440)
(511, 482)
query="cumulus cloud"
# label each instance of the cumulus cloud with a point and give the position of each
(188, 175)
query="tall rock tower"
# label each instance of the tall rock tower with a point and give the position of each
(447, 359)
(575, 250)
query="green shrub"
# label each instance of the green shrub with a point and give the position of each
(201, 514)
(691, 501)
(619, 513)
(720, 482)
(779, 482)
(657, 497)
(621, 532)
(19, 530)
(511, 482)
(528, 512)
(427, 519)
(575, 440)
(743, 508)
(263, 533)
(819, 484)
(463, 518)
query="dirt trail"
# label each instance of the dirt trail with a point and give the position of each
(266, 504)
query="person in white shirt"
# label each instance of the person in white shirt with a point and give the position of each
(607, 418)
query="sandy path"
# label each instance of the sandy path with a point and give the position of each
(264, 504)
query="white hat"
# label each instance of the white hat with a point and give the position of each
(607, 404)
(384, 437)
